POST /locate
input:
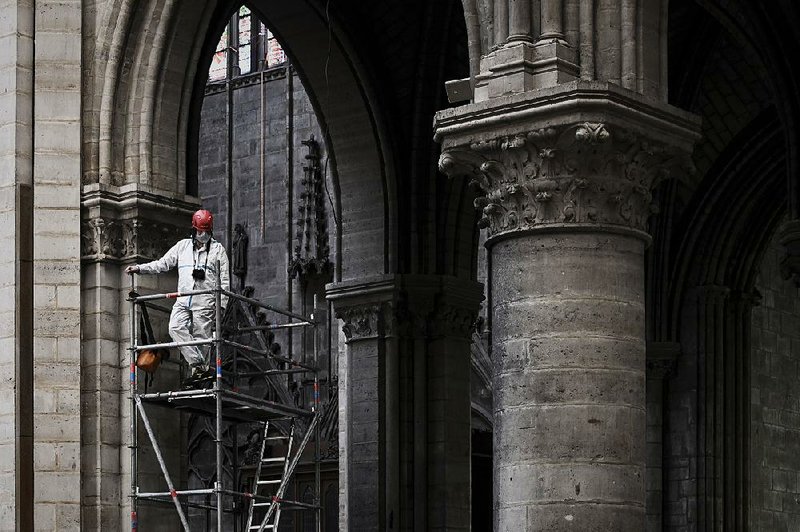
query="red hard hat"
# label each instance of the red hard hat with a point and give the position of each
(203, 220)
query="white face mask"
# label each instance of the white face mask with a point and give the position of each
(203, 237)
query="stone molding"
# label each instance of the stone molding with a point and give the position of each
(361, 305)
(125, 225)
(585, 173)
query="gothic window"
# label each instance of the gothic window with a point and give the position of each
(245, 46)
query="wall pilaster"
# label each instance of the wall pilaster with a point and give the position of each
(661, 357)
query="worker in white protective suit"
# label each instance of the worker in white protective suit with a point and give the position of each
(193, 317)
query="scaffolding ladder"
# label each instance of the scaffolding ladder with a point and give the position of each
(225, 403)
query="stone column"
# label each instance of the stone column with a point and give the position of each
(564, 178)
(366, 471)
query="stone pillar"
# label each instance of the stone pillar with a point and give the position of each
(564, 178)
(367, 465)
(404, 461)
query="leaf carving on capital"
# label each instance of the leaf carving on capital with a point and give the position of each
(360, 322)
(453, 320)
(582, 173)
(105, 238)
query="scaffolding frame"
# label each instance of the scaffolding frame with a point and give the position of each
(228, 404)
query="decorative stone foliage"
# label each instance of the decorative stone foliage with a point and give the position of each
(575, 174)
(105, 238)
(360, 322)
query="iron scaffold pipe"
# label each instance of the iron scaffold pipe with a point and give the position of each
(316, 408)
(134, 417)
(274, 327)
(279, 358)
(217, 388)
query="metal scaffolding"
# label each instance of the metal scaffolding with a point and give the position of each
(224, 402)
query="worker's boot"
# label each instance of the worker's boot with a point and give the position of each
(200, 375)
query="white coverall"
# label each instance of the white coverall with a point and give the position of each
(192, 317)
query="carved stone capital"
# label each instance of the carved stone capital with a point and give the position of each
(104, 238)
(576, 155)
(409, 320)
(452, 320)
(581, 173)
(360, 322)
(456, 309)
(406, 306)
(125, 224)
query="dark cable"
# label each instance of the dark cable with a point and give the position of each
(325, 135)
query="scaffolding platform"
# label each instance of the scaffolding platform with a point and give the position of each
(236, 407)
(223, 400)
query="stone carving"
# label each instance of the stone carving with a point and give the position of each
(360, 322)
(311, 250)
(112, 239)
(583, 173)
(239, 255)
(452, 320)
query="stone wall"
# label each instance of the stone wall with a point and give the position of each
(775, 401)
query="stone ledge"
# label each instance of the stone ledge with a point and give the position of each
(568, 103)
